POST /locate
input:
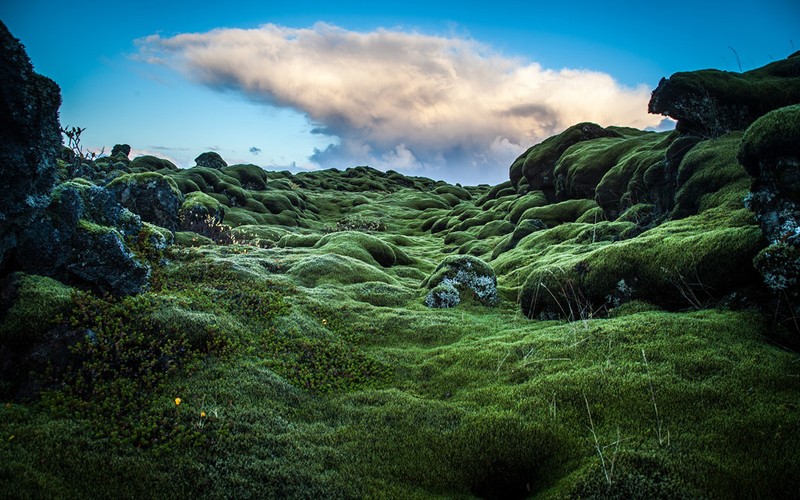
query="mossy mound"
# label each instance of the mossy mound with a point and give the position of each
(335, 269)
(361, 246)
(149, 163)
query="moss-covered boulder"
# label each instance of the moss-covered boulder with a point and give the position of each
(148, 163)
(154, 197)
(471, 277)
(336, 270)
(210, 159)
(537, 163)
(680, 264)
(710, 102)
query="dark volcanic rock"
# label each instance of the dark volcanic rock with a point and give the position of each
(80, 239)
(710, 102)
(150, 195)
(30, 139)
(121, 151)
(210, 159)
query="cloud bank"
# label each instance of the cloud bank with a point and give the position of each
(427, 105)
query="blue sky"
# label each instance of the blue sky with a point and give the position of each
(451, 90)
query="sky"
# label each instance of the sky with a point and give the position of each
(447, 90)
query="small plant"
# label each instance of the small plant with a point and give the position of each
(357, 223)
(209, 226)
(662, 439)
(73, 135)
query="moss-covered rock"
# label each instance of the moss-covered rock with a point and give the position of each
(361, 246)
(537, 163)
(711, 102)
(470, 276)
(148, 163)
(559, 213)
(152, 196)
(679, 264)
(210, 159)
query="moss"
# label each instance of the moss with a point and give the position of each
(251, 177)
(38, 304)
(144, 178)
(199, 199)
(190, 239)
(523, 203)
(380, 294)
(361, 246)
(537, 163)
(335, 269)
(559, 213)
(495, 228)
(679, 264)
(458, 238)
(710, 176)
(149, 163)
(769, 138)
(298, 240)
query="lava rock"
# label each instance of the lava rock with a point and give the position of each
(30, 140)
(155, 198)
(468, 276)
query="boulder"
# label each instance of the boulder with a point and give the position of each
(30, 140)
(710, 103)
(467, 276)
(155, 198)
(81, 239)
(210, 159)
(121, 151)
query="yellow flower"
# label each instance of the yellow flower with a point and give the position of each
(324, 321)
(202, 414)
(177, 401)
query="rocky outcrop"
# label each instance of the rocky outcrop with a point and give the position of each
(155, 198)
(710, 103)
(81, 239)
(210, 159)
(770, 152)
(30, 139)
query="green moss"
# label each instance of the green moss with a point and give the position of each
(144, 178)
(149, 163)
(35, 311)
(679, 264)
(710, 176)
(335, 269)
(769, 138)
(380, 294)
(251, 177)
(559, 213)
(190, 239)
(495, 228)
(298, 240)
(361, 246)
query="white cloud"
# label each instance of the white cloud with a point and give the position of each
(402, 100)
